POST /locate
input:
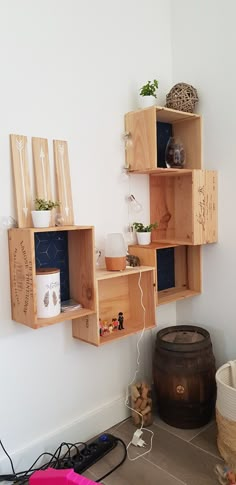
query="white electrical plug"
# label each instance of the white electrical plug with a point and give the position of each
(136, 440)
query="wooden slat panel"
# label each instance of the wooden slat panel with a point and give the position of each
(148, 299)
(63, 181)
(141, 153)
(162, 171)
(41, 168)
(21, 179)
(23, 278)
(162, 207)
(171, 206)
(194, 264)
(82, 267)
(204, 206)
(168, 115)
(183, 208)
(86, 329)
(102, 274)
(148, 257)
(114, 298)
(175, 294)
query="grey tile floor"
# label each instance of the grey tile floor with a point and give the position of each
(181, 457)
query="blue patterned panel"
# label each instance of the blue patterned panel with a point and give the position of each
(164, 132)
(51, 251)
(166, 268)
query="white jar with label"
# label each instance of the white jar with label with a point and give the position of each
(48, 292)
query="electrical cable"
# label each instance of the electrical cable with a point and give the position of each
(141, 429)
(56, 459)
(5, 451)
(119, 464)
(22, 477)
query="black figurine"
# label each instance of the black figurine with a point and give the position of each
(121, 321)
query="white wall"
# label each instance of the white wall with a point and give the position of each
(70, 69)
(203, 39)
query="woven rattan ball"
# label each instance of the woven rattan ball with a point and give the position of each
(182, 97)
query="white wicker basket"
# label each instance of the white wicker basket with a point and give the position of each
(226, 412)
(226, 390)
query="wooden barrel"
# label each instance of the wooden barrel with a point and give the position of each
(184, 376)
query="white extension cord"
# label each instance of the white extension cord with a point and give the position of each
(136, 439)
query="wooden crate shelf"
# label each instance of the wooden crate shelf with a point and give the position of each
(185, 269)
(81, 279)
(149, 130)
(119, 292)
(185, 205)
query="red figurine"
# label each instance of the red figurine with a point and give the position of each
(115, 323)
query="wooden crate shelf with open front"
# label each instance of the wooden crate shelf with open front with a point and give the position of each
(185, 205)
(73, 250)
(148, 131)
(178, 269)
(116, 292)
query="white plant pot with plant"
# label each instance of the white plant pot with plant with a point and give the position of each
(148, 95)
(144, 232)
(41, 216)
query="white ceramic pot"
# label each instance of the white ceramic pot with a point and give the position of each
(144, 238)
(147, 101)
(41, 218)
(48, 292)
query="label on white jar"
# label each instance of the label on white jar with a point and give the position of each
(48, 292)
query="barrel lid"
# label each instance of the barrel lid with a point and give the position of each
(182, 337)
(42, 271)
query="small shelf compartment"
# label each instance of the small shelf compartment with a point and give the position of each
(185, 205)
(149, 130)
(71, 249)
(119, 292)
(178, 269)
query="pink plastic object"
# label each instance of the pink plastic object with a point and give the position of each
(59, 477)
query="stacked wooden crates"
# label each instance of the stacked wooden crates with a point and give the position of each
(183, 201)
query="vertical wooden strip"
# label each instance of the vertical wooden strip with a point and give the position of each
(63, 181)
(194, 262)
(21, 179)
(141, 151)
(41, 168)
(204, 206)
(22, 275)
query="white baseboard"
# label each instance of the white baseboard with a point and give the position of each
(83, 428)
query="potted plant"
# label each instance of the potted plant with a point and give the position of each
(144, 232)
(42, 214)
(148, 94)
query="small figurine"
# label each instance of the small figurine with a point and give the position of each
(105, 327)
(121, 321)
(110, 328)
(132, 260)
(100, 327)
(115, 323)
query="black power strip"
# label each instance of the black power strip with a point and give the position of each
(90, 454)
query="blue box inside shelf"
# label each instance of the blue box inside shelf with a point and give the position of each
(51, 251)
(165, 268)
(164, 132)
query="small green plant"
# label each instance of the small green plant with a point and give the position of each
(45, 205)
(139, 227)
(149, 89)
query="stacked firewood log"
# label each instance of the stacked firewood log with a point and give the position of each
(141, 402)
